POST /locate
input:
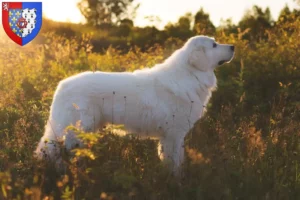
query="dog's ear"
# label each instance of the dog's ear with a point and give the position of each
(198, 59)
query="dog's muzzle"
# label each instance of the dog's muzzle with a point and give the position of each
(221, 62)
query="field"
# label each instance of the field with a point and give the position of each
(247, 146)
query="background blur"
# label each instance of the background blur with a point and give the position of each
(246, 146)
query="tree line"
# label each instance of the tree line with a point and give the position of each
(112, 23)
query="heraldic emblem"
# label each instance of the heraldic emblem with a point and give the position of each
(22, 21)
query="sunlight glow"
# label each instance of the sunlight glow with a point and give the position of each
(169, 10)
(66, 10)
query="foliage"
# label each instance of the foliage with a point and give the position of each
(245, 147)
(99, 12)
(182, 29)
(202, 24)
(258, 21)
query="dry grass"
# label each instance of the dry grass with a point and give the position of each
(246, 147)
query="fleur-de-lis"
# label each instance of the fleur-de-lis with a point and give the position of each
(14, 30)
(14, 19)
(18, 13)
(10, 13)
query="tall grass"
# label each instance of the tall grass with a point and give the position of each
(245, 147)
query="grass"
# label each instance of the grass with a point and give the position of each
(245, 147)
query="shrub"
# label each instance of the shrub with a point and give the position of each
(245, 147)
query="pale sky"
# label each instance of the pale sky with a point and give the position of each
(170, 10)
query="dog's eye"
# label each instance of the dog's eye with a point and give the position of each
(214, 45)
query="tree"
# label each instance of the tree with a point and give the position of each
(286, 20)
(181, 29)
(124, 29)
(99, 12)
(227, 27)
(202, 24)
(258, 20)
(285, 15)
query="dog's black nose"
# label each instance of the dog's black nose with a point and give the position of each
(232, 48)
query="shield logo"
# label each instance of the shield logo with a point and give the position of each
(22, 21)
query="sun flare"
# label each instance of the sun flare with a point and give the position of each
(169, 11)
(63, 11)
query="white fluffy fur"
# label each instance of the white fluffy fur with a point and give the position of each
(162, 102)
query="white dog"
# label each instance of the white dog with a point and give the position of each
(162, 102)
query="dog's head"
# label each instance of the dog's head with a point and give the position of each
(204, 53)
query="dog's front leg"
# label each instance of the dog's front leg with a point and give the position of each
(172, 151)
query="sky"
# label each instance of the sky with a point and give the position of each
(169, 10)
